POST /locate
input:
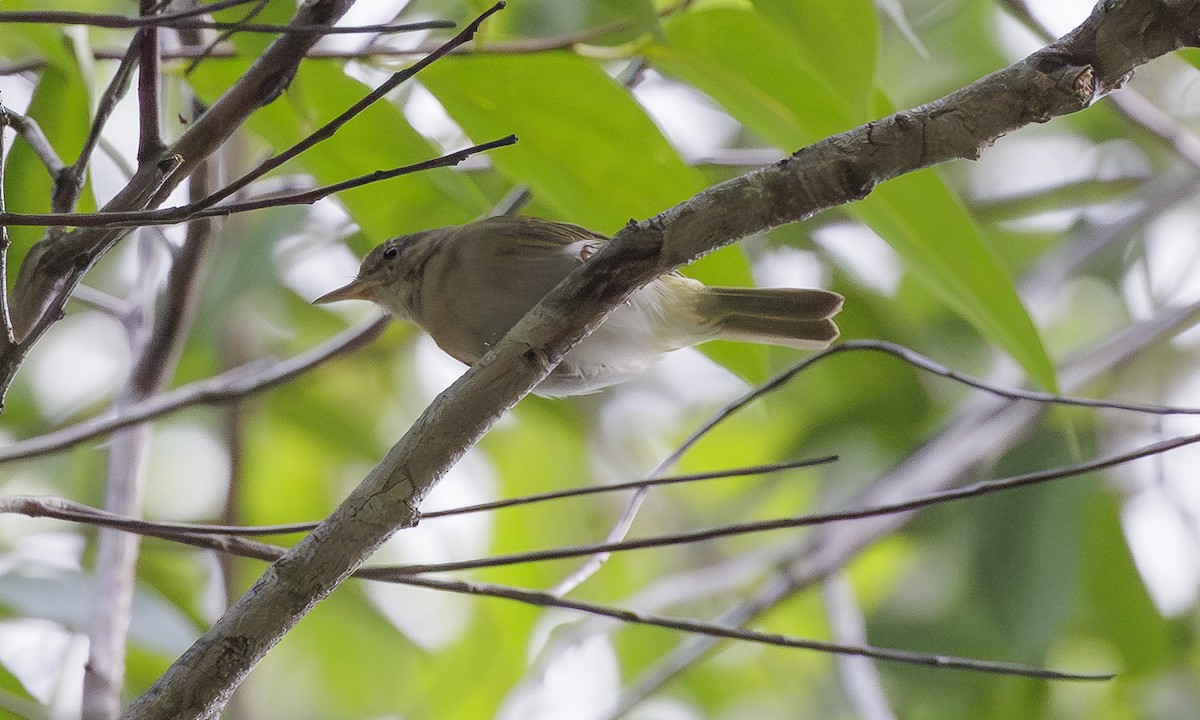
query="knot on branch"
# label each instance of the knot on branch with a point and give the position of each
(538, 358)
(1065, 86)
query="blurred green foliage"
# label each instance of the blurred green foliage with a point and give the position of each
(1043, 576)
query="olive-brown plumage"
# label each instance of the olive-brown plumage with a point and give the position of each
(467, 285)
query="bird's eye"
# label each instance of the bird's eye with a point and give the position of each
(391, 253)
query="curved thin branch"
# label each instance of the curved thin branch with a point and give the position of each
(29, 129)
(64, 509)
(977, 489)
(202, 209)
(68, 510)
(226, 387)
(183, 20)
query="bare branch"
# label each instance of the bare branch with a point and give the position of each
(149, 88)
(28, 128)
(632, 485)
(183, 21)
(193, 211)
(227, 387)
(68, 183)
(977, 489)
(54, 265)
(716, 631)
(68, 510)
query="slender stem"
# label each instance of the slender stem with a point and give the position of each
(228, 386)
(183, 21)
(7, 339)
(149, 89)
(29, 129)
(327, 130)
(69, 183)
(158, 339)
(192, 211)
(711, 631)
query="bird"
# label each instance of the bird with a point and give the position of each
(467, 285)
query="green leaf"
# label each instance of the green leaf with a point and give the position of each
(1030, 548)
(774, 90)
(586, 148)
(641, 13)
(568, 18)
(1124, 614)
(920, 216)
(838, 40)
(791, 102)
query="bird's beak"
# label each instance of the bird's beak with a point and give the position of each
(358, 289)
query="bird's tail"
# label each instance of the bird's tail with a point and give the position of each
(793, 317)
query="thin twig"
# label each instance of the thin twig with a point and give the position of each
(713, 630)
(977, 489)
(29, 129)
(225, 387)
(308, 197)
(327, 130)
(185, 213)
(172, 530)
(150, 143)
(69, 183)
(916, 359)
(183, 21)
(206, 51)
(67, 510)
(633, 485)
(7, 339)
(920, 361)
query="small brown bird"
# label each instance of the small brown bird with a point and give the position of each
(467, 285)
